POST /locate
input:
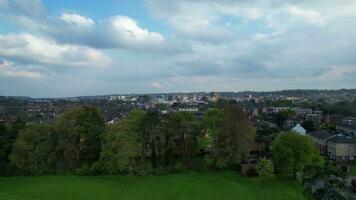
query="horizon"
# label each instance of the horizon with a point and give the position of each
(51, 49)
(181, 92)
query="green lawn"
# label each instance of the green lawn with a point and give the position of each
(353, 170)
(226, 185)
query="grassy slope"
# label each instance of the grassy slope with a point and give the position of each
(225, 185)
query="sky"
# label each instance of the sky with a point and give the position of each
(90, 47)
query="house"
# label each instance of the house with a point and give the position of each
(299, 129)
(338, 147)
(342, 148)
(320, 138)
(315, 118)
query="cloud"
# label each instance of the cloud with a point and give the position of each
(338, 73)
(73, 18)
(33, 8)
(311, 16)
(30, 49)
(9, 69)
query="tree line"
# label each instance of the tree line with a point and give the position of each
(143, 142)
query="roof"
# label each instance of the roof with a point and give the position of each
(343, 139)
(321, 134)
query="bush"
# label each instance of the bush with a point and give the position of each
(84, 170)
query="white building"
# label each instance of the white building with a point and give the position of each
(299, 129)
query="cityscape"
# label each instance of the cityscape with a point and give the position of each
(177, 100)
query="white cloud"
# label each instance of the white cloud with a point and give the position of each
(8, 69)
(337, 73)
(31, 49)
(72, 18)
(126, 30)
(311, 16)
(156, 84)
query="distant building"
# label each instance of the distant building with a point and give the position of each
(338, 147)
(342, 148)
(299, 129)
(191, 109)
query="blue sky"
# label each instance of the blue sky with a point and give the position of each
(91, 47)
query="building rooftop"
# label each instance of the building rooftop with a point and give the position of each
(342, 139)
(321, 134)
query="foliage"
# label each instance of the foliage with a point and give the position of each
(265, 169)
(292, 152)
(121, 144)
(266, 135)
(236, 138)
(8, 135)
(346, 108)
(77, 137)
(32, 153)
(283, 115)
(325, 182)
(309, 126)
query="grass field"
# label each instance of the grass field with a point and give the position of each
(226, 185)
(353, 170)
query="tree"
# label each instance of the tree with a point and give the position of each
(121, 144)
(183, 136)
(292, 152)
(8, 135)
(324, 182)
(3, 147)
(309, 126)
(78, 137)
(265, 169)
(266, 135)
(236, 138)
(211, 126)
(282, 115)
(32, 153)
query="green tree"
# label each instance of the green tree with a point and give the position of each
(309, 126)
(78, 137)
(8, 135)
(32, 153)
(236, 138)
(324, 182)
(265, 169)
(211, 126)
(292, 152)
(183, 136)
(122, 143)
(3, 147)
(266, 135)
(282, 115)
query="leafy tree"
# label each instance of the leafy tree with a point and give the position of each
(292, 152)
(78, 137)
(266, 135)
(211, 126)
(282, 115)
(265, 169)
(236, 138)
(8, 135)
(309, 126)
(3, 147)
(183, 135)
(324, 182)
(121, 144)
(32, 153)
